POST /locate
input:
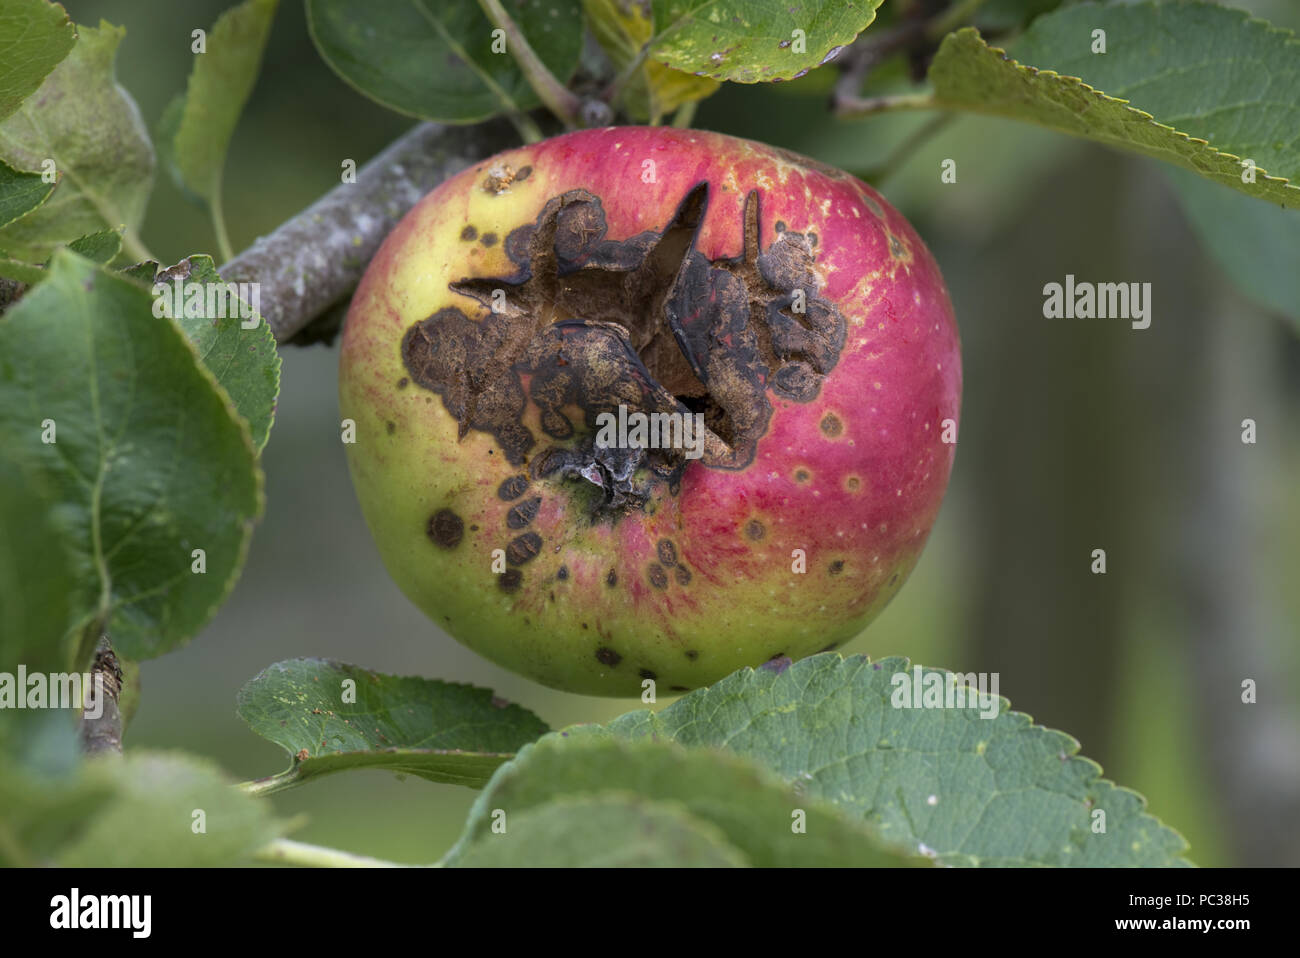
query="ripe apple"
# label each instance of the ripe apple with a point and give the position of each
(528, 355)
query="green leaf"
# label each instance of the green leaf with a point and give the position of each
(757, 813)
(150, 459)
(40, 813)
(969, 790)
(1195, 73)
(433, 58)
(623, 27)
(91, 128)
(20, 271)
(244, 361)
(34, 37)
(99, 247)
(609, 830)
(20, 192)
(37, 576)
(220, 83)
(1254, 241)
(441, 731)
(755, 41)
(153, 818)
(141, 272)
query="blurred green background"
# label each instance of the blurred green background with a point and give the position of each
(1076, 435)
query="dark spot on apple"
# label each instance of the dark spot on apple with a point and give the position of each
(852, 483)
(667, 552)
(391, 427)
(893, 579)
(446, 528)
(777, 663)
(524, 548)
(562, 573)
(608, 656)
(755, 530)
(611, 579)
(524, 513)
(523, 174)
(876, 209)
(473, 528)
(584, 625)
(469, 233)
(802, 475)
(512, 488)
(831, 425)
(682, 575)
(780, 226)
(658, 577)
(678, 688)
(510, 580)
(692, 654)
(837, 567)
(403, 383)
(663, 330)
(647, 674)
(489, 239)
(896, 248)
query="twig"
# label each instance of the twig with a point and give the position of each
(866, 106)
(103, 732)
(283, 851)
(315, 260)
(272, 783)
(558, 99)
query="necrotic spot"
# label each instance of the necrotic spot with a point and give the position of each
(831, 425)
(563, 572)
(682, 575)
(524, 548)
(658, 577)
(510, 580)
(489, 239)
(608, 656)
(524, 513)
(667, 552)
(611, 579)
(837, 567)
(755, 530)
(647, 674)
(513, 488)
(469, 233)
(446, 528)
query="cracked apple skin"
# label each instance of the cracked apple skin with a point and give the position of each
(666, 271)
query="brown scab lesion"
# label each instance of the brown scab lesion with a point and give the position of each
(667, 552)
(446, 528)
(682, 575)
(896, 247)
(512, 488)
(469, 233)
(562, 573)
(489, 239)
(510, 580)
(524, 548)
(836, 567)
(802, 476)
(607, 656)
(692, 654)
(611, 578)
(755, 530)
(852, 483)
(662, 328)
(403, 382)
(657, 575)
(831, 426)
(523, 513)
(648, 674)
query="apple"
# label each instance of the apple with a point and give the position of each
(640, 404)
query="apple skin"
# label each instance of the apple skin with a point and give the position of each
(849, 478)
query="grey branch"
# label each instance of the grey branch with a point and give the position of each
(103, 732)
(313, 262)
